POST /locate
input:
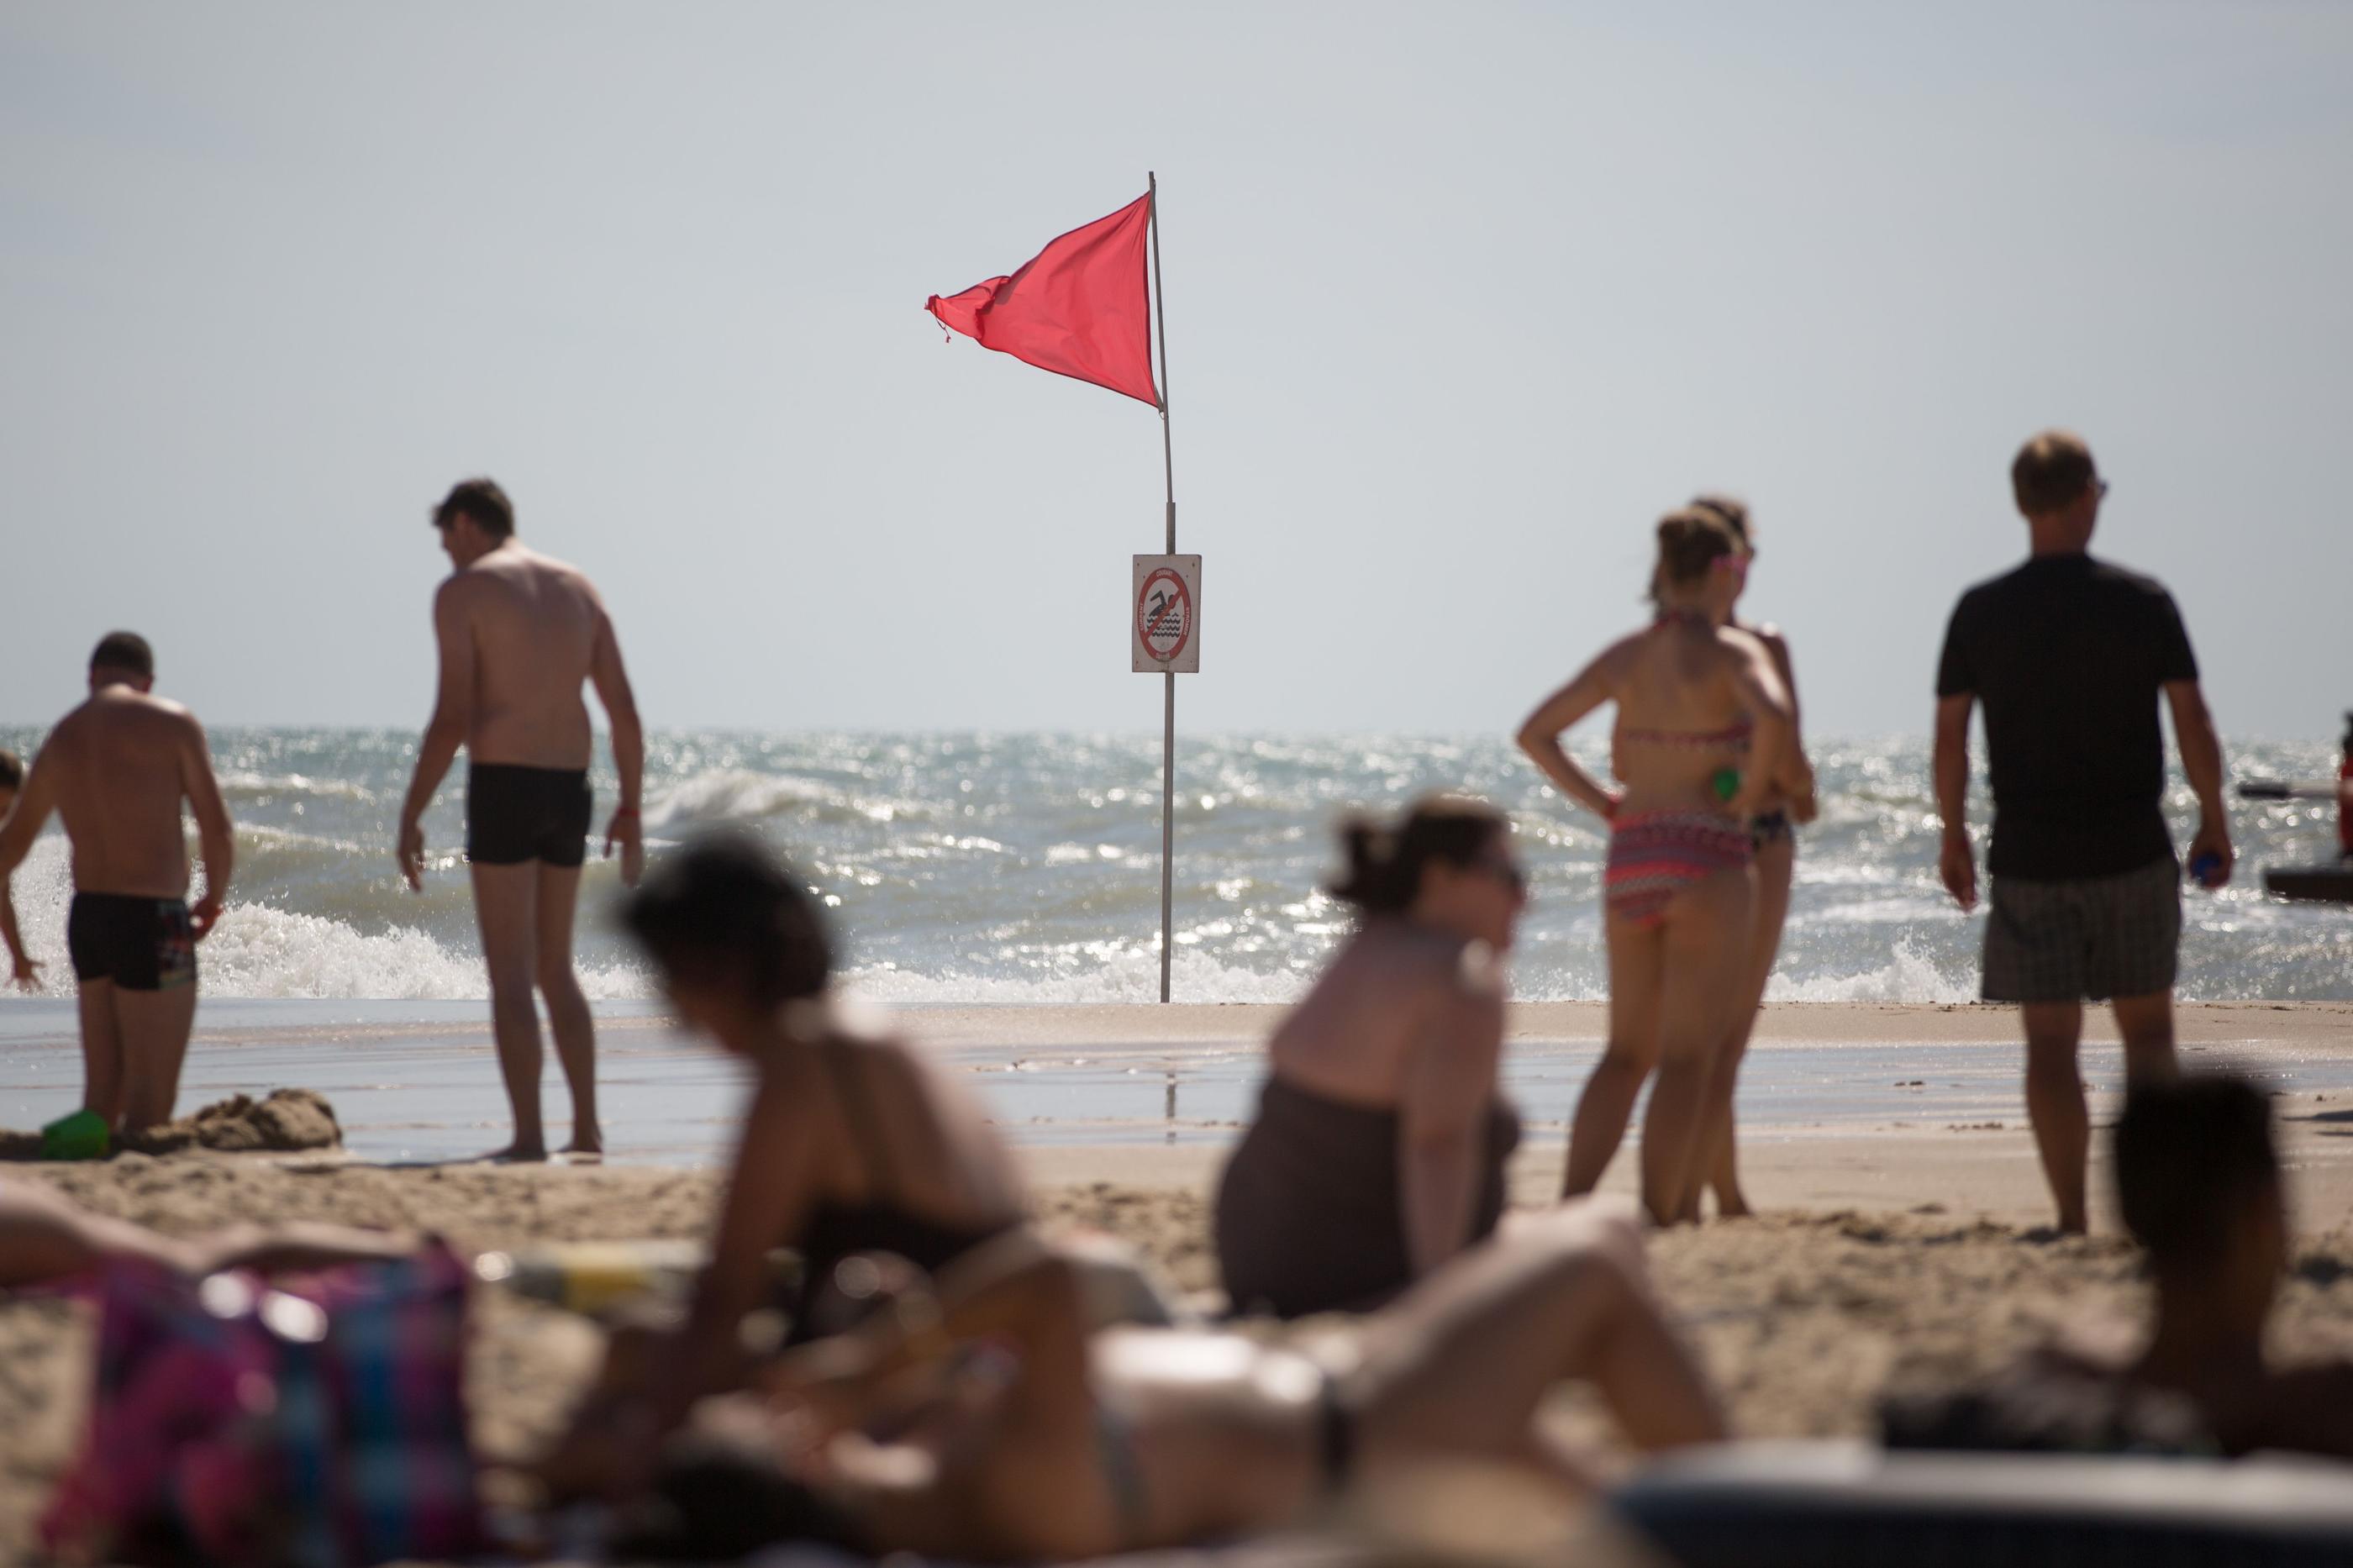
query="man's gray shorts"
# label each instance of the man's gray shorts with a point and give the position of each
(2089, 939)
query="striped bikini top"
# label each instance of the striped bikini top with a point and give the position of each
(1734, 738)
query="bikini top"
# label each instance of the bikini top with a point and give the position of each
(1732, 737)
(836, 1230)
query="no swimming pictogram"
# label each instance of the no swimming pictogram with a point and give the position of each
(1167, 613)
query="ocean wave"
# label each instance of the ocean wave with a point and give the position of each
(740, 796)
(1908, 975)
(1133, 976)
(238, 784)
(261, 950)
(257, 951)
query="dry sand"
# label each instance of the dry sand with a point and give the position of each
(1903, 1256)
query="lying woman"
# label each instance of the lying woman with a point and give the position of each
(46, 1238)
(984, 1423)
(1380, 1147)
(1703, 744)
(852, 1142)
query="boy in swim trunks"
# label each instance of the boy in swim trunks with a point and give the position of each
(519, 635)
(117, 770)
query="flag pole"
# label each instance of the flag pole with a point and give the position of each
(1168, 706)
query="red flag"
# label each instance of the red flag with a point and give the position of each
(1078, 308)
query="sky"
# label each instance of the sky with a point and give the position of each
(1460, 299)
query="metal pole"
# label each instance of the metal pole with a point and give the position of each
(1168, 711)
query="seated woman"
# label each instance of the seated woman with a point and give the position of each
(1380, 1147)
(852, 1142)
(982, 1422)
(1703, 744)
(2198, 1183)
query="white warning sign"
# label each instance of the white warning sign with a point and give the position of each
(1165, 619)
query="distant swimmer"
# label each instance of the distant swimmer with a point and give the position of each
(1704, 745)
(22, 970)
(116, 770)
(519, 635)
(2070, 655)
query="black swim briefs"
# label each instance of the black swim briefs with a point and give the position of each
(515, 815)
(139, 943)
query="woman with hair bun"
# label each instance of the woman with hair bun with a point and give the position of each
(1702, 746)
(1380, 1147)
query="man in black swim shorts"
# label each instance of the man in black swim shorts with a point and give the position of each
(519, 635)
(118, 768)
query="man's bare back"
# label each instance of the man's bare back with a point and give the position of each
(119, 767)
(519, 634)
(116, 769)
(535, 626)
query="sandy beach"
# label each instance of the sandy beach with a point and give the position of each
(1898, 1251)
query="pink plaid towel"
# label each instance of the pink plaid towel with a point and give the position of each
(312, 1422)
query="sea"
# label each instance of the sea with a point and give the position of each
(978, 867)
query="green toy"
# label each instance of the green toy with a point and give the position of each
(1727, 783)
(81, 1136)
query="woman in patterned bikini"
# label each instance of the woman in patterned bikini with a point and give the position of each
(1702, 746)
(1774, 834)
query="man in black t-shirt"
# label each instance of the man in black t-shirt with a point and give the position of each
(2069, 654)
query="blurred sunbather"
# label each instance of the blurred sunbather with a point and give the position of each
(2200, 1185)
(45, 1238)
(1027, 1438)
(852, 1142)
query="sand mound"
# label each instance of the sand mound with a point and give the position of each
(287, 1119)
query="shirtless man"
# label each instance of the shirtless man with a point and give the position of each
(519, 633)
(116, 769)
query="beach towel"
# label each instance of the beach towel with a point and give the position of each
(309, 1422)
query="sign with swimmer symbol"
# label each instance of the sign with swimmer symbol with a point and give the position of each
(1164, 627)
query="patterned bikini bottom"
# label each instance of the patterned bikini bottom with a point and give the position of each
(1654, 855)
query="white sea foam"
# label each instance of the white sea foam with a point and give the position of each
(1908, 975)
(739, 794)
(257, 951)
(1130, 977)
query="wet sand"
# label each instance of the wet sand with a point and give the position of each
(1901, 1246)
(418, 1081)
